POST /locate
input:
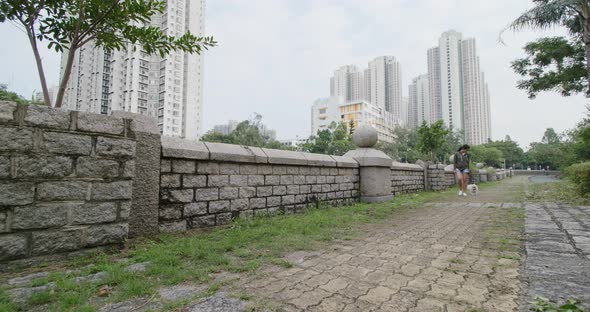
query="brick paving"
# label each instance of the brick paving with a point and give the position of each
(442, 257)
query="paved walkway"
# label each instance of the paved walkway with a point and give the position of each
(460, 255)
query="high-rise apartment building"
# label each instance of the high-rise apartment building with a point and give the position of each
(385, 86)
(457, 89)
(347, 84)
(419, 109)
(168, 88)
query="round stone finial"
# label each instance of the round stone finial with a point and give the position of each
(365, 136)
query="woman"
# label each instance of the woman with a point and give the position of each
(461, 164)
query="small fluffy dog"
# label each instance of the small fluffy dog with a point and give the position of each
(473, 189)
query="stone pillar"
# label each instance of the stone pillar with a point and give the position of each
(143, 218)
(374, 166)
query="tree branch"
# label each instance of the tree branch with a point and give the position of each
(96, 22)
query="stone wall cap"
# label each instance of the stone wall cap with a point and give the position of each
(319, 160)
(345, 161)
(284, 157)
(7, 110)
(230, 153)
(181, 148)
(436, 166)
(370, 157)
(406, 166)
(450, 168)
(260, 156)
(139, 122)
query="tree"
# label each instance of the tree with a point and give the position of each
(510, 150)
(335, 140)
(572, 14)
(550, 137)
(431, 138)
(404, 148)
(490, 156)
(6, 95)
(248, 133)
(68, 25)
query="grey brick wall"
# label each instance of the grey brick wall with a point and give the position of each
(208, 184)
(440, 178)
(65, 180)
(406, 178)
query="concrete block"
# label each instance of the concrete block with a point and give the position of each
(43, 116)
(207, 194)
(115, 147)
(230, 152)
(191, 180)
(17, 193)
(180, 148)
(62, 190)
(100, 235)
(319, 160)
(285, 157)
(92, 167)
(92, 213)
(50, 242)
(16, 139)
(195, 209)
(12, 246)
(91, 122)
(7, 110)
(111, 190)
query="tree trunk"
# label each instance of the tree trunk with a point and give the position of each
(586, 39)
(39, 62)
(66, 77)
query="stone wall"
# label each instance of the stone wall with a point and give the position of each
(208, 184)
(406, 178)
(65, 180)
(439, 178)
(536, 172)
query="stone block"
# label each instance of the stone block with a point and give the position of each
(229, 168)
(124, 210)
(218, 180)
(17, 193)
(219, 206)
(207, 167)
(279, 190)
(285, 157)
(304, 189)
(43, 166)
(264, 191)
(111, 190)
(239, 204)
(223, 218)
(207, 194)
(293, 170)
(170, 212)
(173, 227)
(256, 203)
(279, 170)
(255, 180)
(46, 117)
(5, 167)
(180, 148)
(41, 216)
(183, 166)
(248, 169)
(273, 201)
(264, 169)
(316, 188)
(92, 213)
(272, 180)
(311, 179)
(330, 179)
(177, 196)
(3, 221)
(195, 209)
(286, 179)
(92, 167)
(170, 180)
(90, 122)
(298, 179)
(165, 165)
(115, 147)
(67, 143)
(228, 193)
(100, 235)
(194, 180)
(315, 171)
(50, 242)
(247, 192)
(7, 110)
(204, 221)
(292, 189)
(129, 169)
(12, 246)
(230, 152)
(238, 180)
(62, 190)
(321, 179)
(288, 200)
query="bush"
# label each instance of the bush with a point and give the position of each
(491, 170)
(580, 175)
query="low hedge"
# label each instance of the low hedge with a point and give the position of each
(580, 175)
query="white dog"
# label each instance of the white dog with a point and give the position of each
(473, 189)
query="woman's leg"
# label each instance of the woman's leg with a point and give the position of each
(459, 176)
(465, 182)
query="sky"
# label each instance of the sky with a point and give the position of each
(275, 57)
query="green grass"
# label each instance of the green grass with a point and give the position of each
(561, 191)
(193, 256)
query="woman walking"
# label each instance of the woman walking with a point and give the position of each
(462, 160)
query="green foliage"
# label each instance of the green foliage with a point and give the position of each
(247, 133)
(431, 139)
(541, 304)
(552, 64)
(6, 95)
(336, 140)
(509, 149)
(563, 190)
(580, 175)
(404, 149)
(489, 156)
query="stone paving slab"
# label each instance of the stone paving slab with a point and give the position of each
(435, 258)
(558, 252)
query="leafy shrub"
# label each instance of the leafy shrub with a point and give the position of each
(580, 175)
(541, 304)
(491, 170)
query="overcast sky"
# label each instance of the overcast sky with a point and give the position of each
(275, 57)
